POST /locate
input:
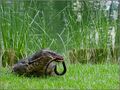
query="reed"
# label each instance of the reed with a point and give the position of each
(28, 26)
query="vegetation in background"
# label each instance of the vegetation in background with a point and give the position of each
(63, 26)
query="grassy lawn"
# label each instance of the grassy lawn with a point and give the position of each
(77, 77)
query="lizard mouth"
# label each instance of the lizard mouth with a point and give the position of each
(58, 58)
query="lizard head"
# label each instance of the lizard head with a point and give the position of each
(52, 55)
(48, 54)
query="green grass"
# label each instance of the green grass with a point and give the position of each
(77, 77)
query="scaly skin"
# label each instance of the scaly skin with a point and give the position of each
(37, 64)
